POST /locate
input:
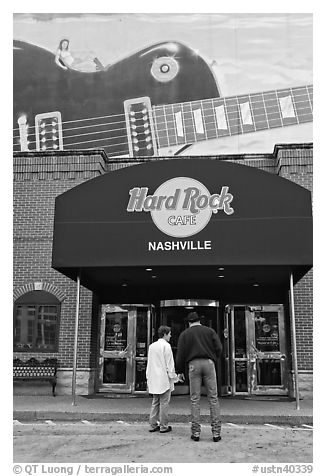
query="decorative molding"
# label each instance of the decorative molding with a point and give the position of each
(39, 286)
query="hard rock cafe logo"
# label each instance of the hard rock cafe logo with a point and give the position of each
(181, 206)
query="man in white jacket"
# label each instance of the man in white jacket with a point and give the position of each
(161, 376)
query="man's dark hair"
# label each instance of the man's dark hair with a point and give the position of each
(163, 330)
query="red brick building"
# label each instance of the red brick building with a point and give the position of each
(116, 325)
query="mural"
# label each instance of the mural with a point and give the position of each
(150, 84)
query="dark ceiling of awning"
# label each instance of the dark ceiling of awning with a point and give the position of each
(268, 236)
(230, 284)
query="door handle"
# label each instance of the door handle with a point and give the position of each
(125, 352)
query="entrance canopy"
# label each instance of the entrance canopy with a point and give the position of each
(175, 227)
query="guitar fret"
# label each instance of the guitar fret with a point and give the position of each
(209, 119)
(173, 121)
(179, 136)
(188, 123)
(267, 118)
(302, 104)
(222, 127)
(160, 127)
(272, 109)
(233, 115)
(199, 125)
(199, 122)
(246, 114)
(310, 95)
(294, 106)
(286, 107)
(166, 123)
(173, 137)
(179, 123)
(193, 119)
(259, 111)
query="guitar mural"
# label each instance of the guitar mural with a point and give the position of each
(92, 104)
(156, 101)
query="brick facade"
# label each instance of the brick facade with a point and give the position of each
(296, 164)
(38, 179)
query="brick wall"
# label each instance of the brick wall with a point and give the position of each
(295, 164)
(34, 200)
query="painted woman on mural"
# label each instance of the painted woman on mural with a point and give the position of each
(65, 60)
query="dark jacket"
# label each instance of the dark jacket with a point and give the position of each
(197, 342)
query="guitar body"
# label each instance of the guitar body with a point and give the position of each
(167, 72)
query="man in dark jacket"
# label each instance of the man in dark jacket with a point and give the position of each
(199, 347)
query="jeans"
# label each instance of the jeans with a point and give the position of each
(160, 409)
(204, 369)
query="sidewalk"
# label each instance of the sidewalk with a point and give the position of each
(126, 408)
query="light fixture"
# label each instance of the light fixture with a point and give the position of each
(221, 276)
(148, 269)
(221, 269)
(153, 277)
(256, 285)
(124, 284)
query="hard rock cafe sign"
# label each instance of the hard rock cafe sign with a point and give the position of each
(182, 206)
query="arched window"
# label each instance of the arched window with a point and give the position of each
(36, 322)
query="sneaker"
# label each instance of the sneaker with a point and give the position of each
(217, 438)
(195, 437)
(156, 428)
(166, 430)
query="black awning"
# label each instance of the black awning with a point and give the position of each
(198, 213)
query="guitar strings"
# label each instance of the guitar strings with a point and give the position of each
(233, 124)
(230, 98)
(234, 119)
(154, 110)
(82, 120)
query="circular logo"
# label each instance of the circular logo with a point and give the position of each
(184, 209)
(266, 327)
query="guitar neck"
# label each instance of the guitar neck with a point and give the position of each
(190, 122)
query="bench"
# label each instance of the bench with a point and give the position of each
(33, 369)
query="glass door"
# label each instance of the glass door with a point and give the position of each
(268, 359)
(143, 337)
(116, 348)
(239, 346)
(124, 339)
(174, 314)
(224, 362)
(258, 348)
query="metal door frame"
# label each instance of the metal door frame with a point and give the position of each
(130, 357)
(280, 355)
(232, 345)
(226, 389)
(252, 355)
(150, 319)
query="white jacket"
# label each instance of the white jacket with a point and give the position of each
(160, 371)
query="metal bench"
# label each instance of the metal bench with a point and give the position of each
(33, 369)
